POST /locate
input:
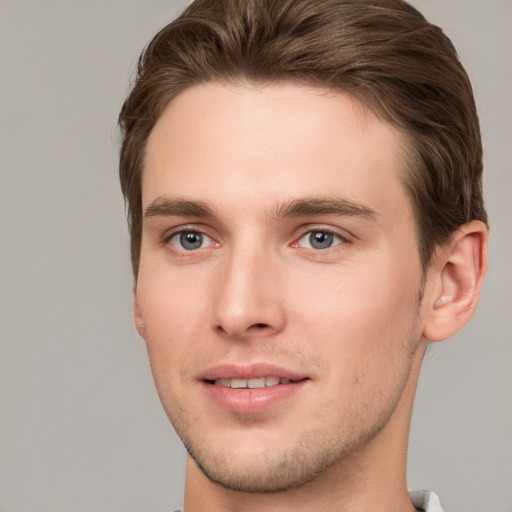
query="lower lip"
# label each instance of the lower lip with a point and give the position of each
(251, 401)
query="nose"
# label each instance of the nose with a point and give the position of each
(249, 303)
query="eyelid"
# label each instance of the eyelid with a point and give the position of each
(306, 240)
(343, 235)
(193, 228)
(177, 236)
(189, 228)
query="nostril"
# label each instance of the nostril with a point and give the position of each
(260, 326)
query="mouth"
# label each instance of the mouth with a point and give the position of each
(252, 389)
(253, 383)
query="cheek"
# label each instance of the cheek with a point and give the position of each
(173, 314)
(167, 313)
(362, 318)
(169, 301)
(367, 333)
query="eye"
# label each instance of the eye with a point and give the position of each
(190, 240)
(319, 240)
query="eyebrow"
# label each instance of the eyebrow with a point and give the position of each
(171, 206)
(304, 207)
(316, 206)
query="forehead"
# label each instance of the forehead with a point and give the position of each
(274, 142)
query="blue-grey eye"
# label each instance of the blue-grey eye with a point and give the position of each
(319, 240)
(190, 240)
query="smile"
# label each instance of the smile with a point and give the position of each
(254, 383)
(250, 389)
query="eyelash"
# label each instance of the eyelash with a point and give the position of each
(342, 240)
(187, 231)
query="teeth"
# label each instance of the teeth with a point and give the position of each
(238, 383)
(271, 381)
(258, 382)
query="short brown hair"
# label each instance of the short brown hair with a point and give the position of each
(383, 52)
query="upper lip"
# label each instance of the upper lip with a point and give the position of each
(250, 371)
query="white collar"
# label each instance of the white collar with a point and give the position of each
(426, 500)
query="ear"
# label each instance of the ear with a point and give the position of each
(137, 314)
(455, 280)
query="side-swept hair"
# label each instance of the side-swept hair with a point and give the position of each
(382, 52)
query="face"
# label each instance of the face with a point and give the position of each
(279, 280)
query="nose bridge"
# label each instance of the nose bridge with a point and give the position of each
(248, 301)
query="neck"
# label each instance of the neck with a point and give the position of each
(371, 478)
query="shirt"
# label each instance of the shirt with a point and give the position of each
(427, 501)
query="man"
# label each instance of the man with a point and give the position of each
(303, 180)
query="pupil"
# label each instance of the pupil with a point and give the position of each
(191, 241)
(321, 240)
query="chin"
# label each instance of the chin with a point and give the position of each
(277, 473)
(267, 464)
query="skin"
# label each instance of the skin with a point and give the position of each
(249, 174)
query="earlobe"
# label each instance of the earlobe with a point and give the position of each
(457, 275)
(137, 315)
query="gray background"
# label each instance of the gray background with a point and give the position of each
(81, 428)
